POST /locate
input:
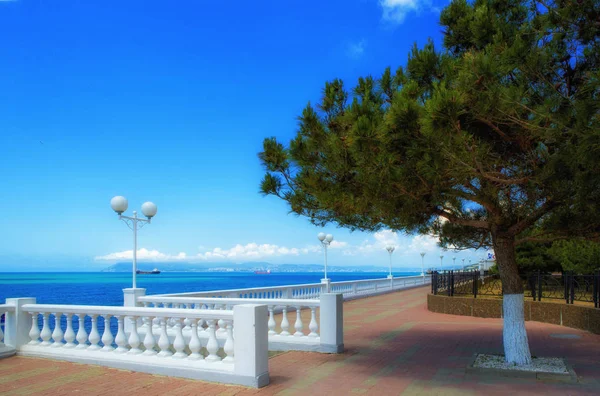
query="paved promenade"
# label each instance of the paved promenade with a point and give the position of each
(393, 346)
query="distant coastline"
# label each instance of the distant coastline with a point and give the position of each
(247, 267)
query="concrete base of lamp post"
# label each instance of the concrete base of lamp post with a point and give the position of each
(327, 283)
(390, 276)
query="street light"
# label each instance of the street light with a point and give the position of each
(119, 204)
(390, 249)
(463, 267)
(454, 262)
(423, 264)
(442, 262)
(325, 242)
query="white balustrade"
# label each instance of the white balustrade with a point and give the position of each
(349, 289)
(177, 344)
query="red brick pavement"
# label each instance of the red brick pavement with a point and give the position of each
(393, 346)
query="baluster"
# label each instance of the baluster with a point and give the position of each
(313, 326)
(46, 333)
(94, 337)
(107, 337)
(149, 341)
(120, 339)
(195, 341)
(228, 348)
(1, 332)
(186, 321)
(163, 340)
(70, 334)
(34, 333)
(134, 337)
(57, 334)
(298, 325)
(272, 323)
(221, 322)
(82, 335)
(146, 320)
(179, 342)
(212, 346)
(285, 325)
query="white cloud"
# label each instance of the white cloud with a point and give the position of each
(424, 243)
(142, 255)
(356, 50)
(250, 251)
(395, 11)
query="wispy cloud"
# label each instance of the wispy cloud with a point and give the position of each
(142, 255)
(239, 252)
(395, 11)
(357, 49)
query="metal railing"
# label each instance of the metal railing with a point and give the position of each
(537, 285)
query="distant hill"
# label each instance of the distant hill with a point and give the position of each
(250, 266)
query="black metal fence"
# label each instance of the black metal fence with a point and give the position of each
(537, 285)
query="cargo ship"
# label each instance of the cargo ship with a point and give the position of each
(153, 272)
(262, 272)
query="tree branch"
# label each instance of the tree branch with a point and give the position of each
(522, 225)
(464, 222)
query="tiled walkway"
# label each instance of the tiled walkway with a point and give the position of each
(393, 346)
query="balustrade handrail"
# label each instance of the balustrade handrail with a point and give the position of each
(276, 288)
(7, 308)
(228, 301)
(130, 311)
(249, 289)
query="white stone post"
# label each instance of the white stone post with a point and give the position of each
(332, 323)
(130, 297)
(327, 285)
(251, 343)
(18, 323)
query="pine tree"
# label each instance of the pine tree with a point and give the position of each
(492, 141)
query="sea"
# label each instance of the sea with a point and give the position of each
(106, 288)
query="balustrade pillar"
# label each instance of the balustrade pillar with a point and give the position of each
(271, 323)
(149, 341)
(46, 334)
(163, 340)
(17, 322)
(94, 336)
(229, 347)
(195, 345)
(34, 333)
(107, 337)
(134, 337)
(299, 326)
(285, 325)
(212, 346)
(120, 339)
(57, 334)
(69, 334)
(313, 326)
(82, 335)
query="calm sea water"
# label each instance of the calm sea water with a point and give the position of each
(106, 288)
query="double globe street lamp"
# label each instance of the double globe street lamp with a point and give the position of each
(326, 240)
(119, 204)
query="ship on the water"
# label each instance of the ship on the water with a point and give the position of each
(154, 271)
(262, 272)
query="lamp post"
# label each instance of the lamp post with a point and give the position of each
(119, 204)
(423, 264)
(390, 249)
(441, 262)
(325, 242)
(454, 262)
(463, 267)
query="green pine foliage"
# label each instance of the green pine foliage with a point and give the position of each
(491, 141)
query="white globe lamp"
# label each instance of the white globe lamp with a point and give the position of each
(321, 236)
(149, 209)
(329, 238)
(119, 204)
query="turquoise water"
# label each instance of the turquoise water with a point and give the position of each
(106, 288)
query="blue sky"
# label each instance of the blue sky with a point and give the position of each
(170, 102)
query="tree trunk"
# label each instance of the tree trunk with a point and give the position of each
(516, 345)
